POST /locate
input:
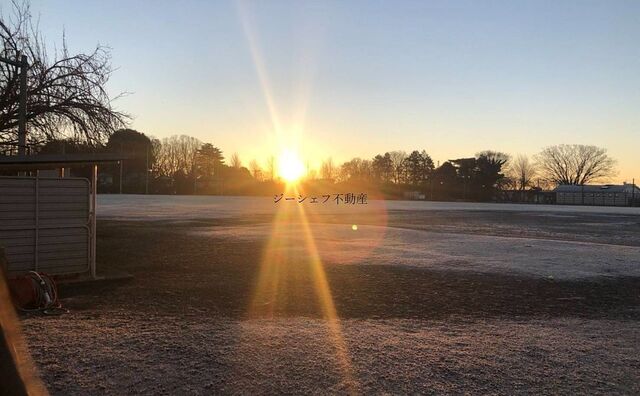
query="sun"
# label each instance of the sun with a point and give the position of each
(290, 166)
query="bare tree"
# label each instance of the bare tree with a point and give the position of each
(356, 168)
(255, 169)
(176, 153)
(543, 183)
(575, 164)
(158, 166)
(328, 169)
(398, 161)
(312, 174)
(235, 161)
(522, 171)
(66, 94)
(271, 167)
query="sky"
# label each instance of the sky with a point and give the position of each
(343, 79)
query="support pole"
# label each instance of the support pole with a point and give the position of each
(94, 192)
(36, 247)
(146, 172)
(22, 111)
(121, 164)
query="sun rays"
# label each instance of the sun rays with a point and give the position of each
(285, 267)
(287, 102)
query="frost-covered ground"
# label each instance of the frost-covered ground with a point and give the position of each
(388, 241)
(376, 245)
(430, 298)
(117, 354)
(181, 207)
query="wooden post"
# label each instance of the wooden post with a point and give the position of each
(94, 192)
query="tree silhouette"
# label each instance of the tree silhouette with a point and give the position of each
(522, 171)
(135, 145)
(418, 166)
(397, 159)
(271, 167)
(327, 169)
(66, 95)
(575, 164)
(488, 173)
(175, 153)
(382, 168)
(479, 176)
(139, 153)
(255, 169)
(235, 161)
(355, 169)
(209, 161)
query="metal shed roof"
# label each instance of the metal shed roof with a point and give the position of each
(593, 188)
(54, 161)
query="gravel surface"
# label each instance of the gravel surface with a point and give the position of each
(120, 353)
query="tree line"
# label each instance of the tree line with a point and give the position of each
(400, 174)
(182, 164)
(179, 164)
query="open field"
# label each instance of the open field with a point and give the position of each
(232, 295)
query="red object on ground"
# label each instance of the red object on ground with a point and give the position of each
(23, 292)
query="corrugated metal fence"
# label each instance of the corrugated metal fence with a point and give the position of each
(603, 198)
(45, 224)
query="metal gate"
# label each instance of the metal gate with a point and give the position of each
(45, 224)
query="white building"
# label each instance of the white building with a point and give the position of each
(601, 195)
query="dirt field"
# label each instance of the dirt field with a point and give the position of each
(445, 300)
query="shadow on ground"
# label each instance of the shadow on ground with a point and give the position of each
(174, 269)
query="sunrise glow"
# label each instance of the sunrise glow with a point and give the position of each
(290, 166)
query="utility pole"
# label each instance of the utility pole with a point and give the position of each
(21, 62)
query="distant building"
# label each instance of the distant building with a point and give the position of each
(414, 195)
(600, 195)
